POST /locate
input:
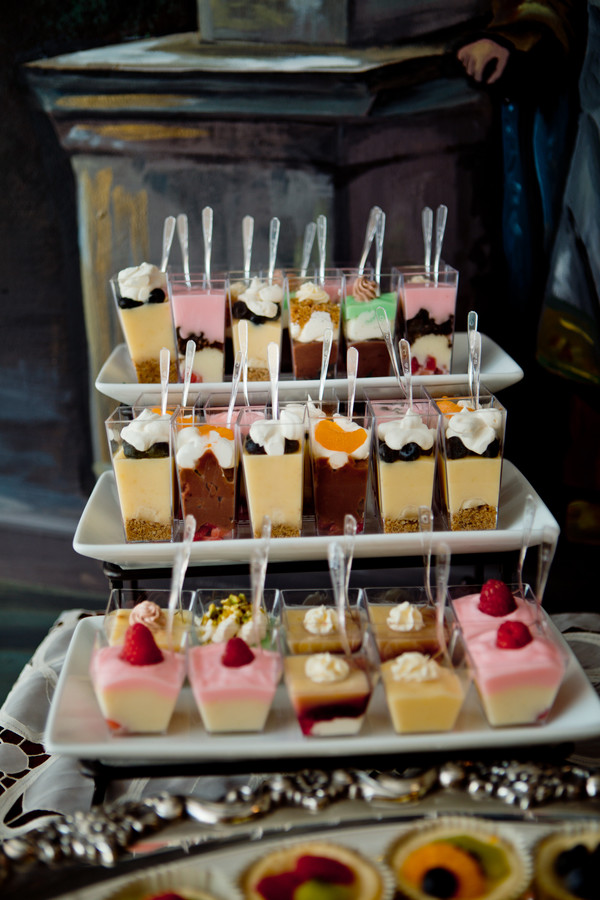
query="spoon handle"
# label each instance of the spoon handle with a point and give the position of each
(379, 234)
(405, 360)
(190, 353)
(243, 339)
(326, 353)
(350, 527)
(167, 240)
(369, 235)
(322, 244)
(426, 527)
(273, 242)
(180, 563)
(427, 227)
(273, 360)
(235, 381)
(258, 572)
(472, 322)
(441, 215)
(335, 556)
(386, 331)
(165, 365)
(476, 363)
(207, 232)
(546, 555)
(247, 239)
(309, 239)
(528, 516)
(183, 235)
(351, 369)
(442, 575)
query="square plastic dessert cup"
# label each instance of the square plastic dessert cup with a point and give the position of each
(362, 297)
(403, 620)
(147, 326)
(471, 456)
(234, 664)
(199, 314)
(406, 443)
(464, 601)
(260, 304)
(340, 452)
(126, 606)
(272, 454)
(206, 460)
(427, 315)
(141, 449)
(330, 692)
(309, 620)
(314, 306)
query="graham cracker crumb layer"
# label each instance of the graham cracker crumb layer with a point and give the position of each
(148, 371)
(479, 518)
(142, 530)
(400, 526)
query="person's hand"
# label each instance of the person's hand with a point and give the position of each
(484, 60)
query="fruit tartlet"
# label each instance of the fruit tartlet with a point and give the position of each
(458, 858)
(187, 880)
(316, 870)
(567, 864)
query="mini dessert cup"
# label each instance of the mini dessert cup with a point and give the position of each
(234, 664)
(260, 304)
(406, 441)
(340, 452)
(475, 612)
(518, 669)
(402, 620)
(309, 620)
(361, 298)
(199, 314)
(144, 309)
(426, 315)
(206, 460)
(315, 306)
(330, 692)
(126, 606)
(141, 451)
(566, 862)
(472, 450)
(272, 453)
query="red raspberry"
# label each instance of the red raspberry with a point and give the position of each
(323, 868)
(414, 365)
(513, 635)
(431, 363)
(139, 646)
(237, 653)
(496, 599)
(278, 887)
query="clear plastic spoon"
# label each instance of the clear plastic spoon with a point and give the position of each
(351, 369)
(476, 364)
(273, 242)
(442, 575)
(165, 366)
(273, 360)
(528, 516)
(243, 339)
(235, 381)
(472, 321)
(546, 555)
(322, 245)
(427, 227)
(247, 239)
(426, 528)
(167, 240)
(386, 331)
(406, 363)
(183, 235)
(379, 235)
(369, 235)
(335, 557)
(258, 572)
(441, 216)
(207, 233)
(180, 563)
(309, 239)
(325, 354)
(350, 527)
(190, 352)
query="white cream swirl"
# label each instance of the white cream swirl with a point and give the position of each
(149, 614)
(138, 282)
(410, 429)
(192, 444)
(271, 434)
(147, 429)
(320, 620)
(405, 617)
(326, 667)
(476, 428)
(263, 299)
(415, 667)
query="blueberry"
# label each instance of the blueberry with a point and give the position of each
(239, 310)
(253, 448)
(160, 450)
(439, 882)
(157, 296)
(569, 859)
(131, 453)
(291, 446)
(409, 452)
(492, 450)
(129, 303)
(386, 454)
(455, 448)
(256, 320)
(579, 881)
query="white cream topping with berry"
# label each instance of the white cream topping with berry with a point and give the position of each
(263, 299)
(326, 667)
(405, 617)
(271, 434)
(339, 458)
(320, 620)
(233, 618)
(138, 282)
(476, 428)
(410, 429)
(414, 666)
(192, 445)
(147, 429)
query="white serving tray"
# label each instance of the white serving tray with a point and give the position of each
(76, 728)
(100, 534)
(117, 379)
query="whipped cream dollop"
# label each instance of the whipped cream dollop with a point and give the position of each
(314, 329)
(414, 666)
(338, 457)
(149, 614)
(405, 617)
(219, 631)
(312, 292)
(271, 434)
(138, 282)
(410, 429)
(263, 299)
(147, 429)
(320, 620)
(192, 444)
(326, 667)
(476, 428)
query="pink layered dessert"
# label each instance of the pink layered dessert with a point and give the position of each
(474, 616)
(428, 307)
(199, 315)
(233, 687)
(518, 670)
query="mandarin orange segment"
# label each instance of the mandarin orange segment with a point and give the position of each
(448, 406)
(332, 437)
(220, 429)
(440, 854)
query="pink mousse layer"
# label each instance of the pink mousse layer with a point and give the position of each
(197, 312)
(472, 621)
(213, 682)
(109, 672)
(440, 301)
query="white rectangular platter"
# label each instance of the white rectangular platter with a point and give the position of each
(117, 379)
(100, 534)
(76, 727)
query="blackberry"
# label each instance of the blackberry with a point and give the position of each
(409, 452)
(439, 882)
(157, 296)
(129, 303)
(253, 448)
(455, 449)
(386, 454)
